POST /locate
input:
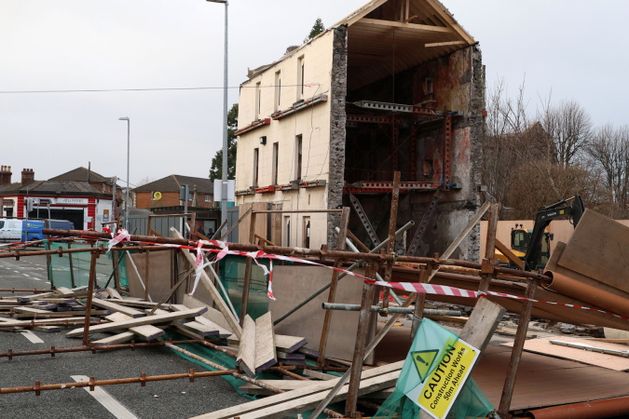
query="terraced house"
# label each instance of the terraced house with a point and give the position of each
(398, 85)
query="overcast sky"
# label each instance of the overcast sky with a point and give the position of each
(570, 47)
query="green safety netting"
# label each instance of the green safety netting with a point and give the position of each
(232, 273)
(470, 403)
(73, 269)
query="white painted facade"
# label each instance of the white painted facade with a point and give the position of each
(260, 97)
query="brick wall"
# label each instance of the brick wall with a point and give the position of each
(169, 199)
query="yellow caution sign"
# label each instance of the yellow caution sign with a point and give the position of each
(423, 361)
(441, 388)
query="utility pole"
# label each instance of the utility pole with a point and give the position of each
(126, 199)
(113, 200)
(224, 176)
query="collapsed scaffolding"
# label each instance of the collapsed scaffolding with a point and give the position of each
(486, 287)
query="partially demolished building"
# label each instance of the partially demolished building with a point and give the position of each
(396, 86)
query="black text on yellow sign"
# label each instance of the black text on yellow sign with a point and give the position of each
(441, 389)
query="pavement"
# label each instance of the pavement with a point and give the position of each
(166, 399)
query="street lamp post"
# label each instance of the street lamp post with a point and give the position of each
(225, 83)
(126, 199)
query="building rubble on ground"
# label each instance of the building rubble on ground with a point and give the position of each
(328, 330)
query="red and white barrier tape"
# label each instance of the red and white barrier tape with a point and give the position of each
(413, 287)
(122, 236)
(420, 288)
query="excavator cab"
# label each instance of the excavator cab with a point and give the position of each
(521, 239)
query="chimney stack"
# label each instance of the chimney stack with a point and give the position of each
(28, 176)
(5, 175)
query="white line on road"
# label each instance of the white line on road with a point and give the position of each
(32, 336)
(112, 405)
(26, 275)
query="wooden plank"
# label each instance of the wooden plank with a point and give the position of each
(246, 358)
(286, 385)
(117, 317)
(157, 319)
(319, 375)
(31, 310)
(482, 323)
(288, 343)
(113, 293)
(55, 314)
(64, 292)
(132, 302)
(366, 386)
(291, 357)
(109, 305)
(544, 347)
(28, 298)
(209, 286)
(147, 331)
(509, 254)
(222, 332)
(202, 329)
(265, 343)
(416, 27)
(187, 332)
(117, 338)
(444, 44)
(157, 311)
(369, 291)
(211, 314)
(318, 387)
(27, 323)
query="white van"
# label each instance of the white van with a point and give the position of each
(10, 229)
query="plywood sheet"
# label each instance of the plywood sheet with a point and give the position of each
(159, 281)
(598, 249)
(546, 381)
(292, 284)
(612, 362)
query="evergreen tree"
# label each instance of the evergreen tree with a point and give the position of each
(217, 161)
(317, 28)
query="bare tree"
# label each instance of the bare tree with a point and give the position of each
(609, 150)
(539, 183)
(506, 121)
(570, 128)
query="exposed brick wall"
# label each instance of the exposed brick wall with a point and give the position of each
(459, 85)
(338, 93)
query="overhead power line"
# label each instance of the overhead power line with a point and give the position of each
(138, 89)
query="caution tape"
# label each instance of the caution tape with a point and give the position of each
(442, 290)
(221, 249)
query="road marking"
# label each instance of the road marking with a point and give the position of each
(112, 405)
(26, 275)
(32, 336)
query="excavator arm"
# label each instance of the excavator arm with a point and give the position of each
(571, 208)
